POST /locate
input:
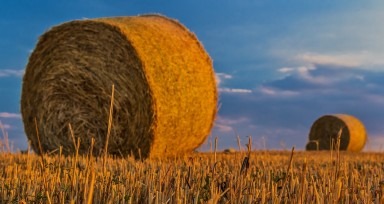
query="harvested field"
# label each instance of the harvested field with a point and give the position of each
(311, 177)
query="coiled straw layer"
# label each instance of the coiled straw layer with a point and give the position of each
(165, 93)
(324, 133)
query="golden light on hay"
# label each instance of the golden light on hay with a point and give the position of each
(324, 133)
(165, 91)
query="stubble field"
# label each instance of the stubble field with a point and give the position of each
(240, 177)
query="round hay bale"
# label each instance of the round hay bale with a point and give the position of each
(165, 92)
(325, 130)
(230, 151)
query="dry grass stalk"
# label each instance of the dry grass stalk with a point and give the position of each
(215, 147)
(303, 182)
(238, 140)
(91, 188)
(110, 120)
(165, 91)
(287, 176)
(245, 164)
(5, 141)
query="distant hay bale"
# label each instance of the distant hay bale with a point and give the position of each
(325, 130)
(165, 91)
(229, 151)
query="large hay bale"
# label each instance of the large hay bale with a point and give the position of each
(165, 91)
(325, 130)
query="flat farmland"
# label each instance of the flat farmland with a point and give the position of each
(238, 177)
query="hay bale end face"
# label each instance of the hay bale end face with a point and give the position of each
(165, 91)
(325, 130)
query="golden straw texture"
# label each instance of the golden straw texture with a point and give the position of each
(325, 130)
(165, 91)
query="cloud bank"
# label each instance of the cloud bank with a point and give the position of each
(11, 73)
(281, 111)
(10, 115)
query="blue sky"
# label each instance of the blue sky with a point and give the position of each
(279, 64)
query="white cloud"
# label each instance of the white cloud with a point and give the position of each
(11, 72)
(9, 115)
(276, 92)
(342, 60)
(267, 90)
(361, 60)
(231, 90)
(286, 70)
(230, 121)
(225, 124)
(302, 70)
(220, 77)
(223, 128)
(305, 73)
(328, 76)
